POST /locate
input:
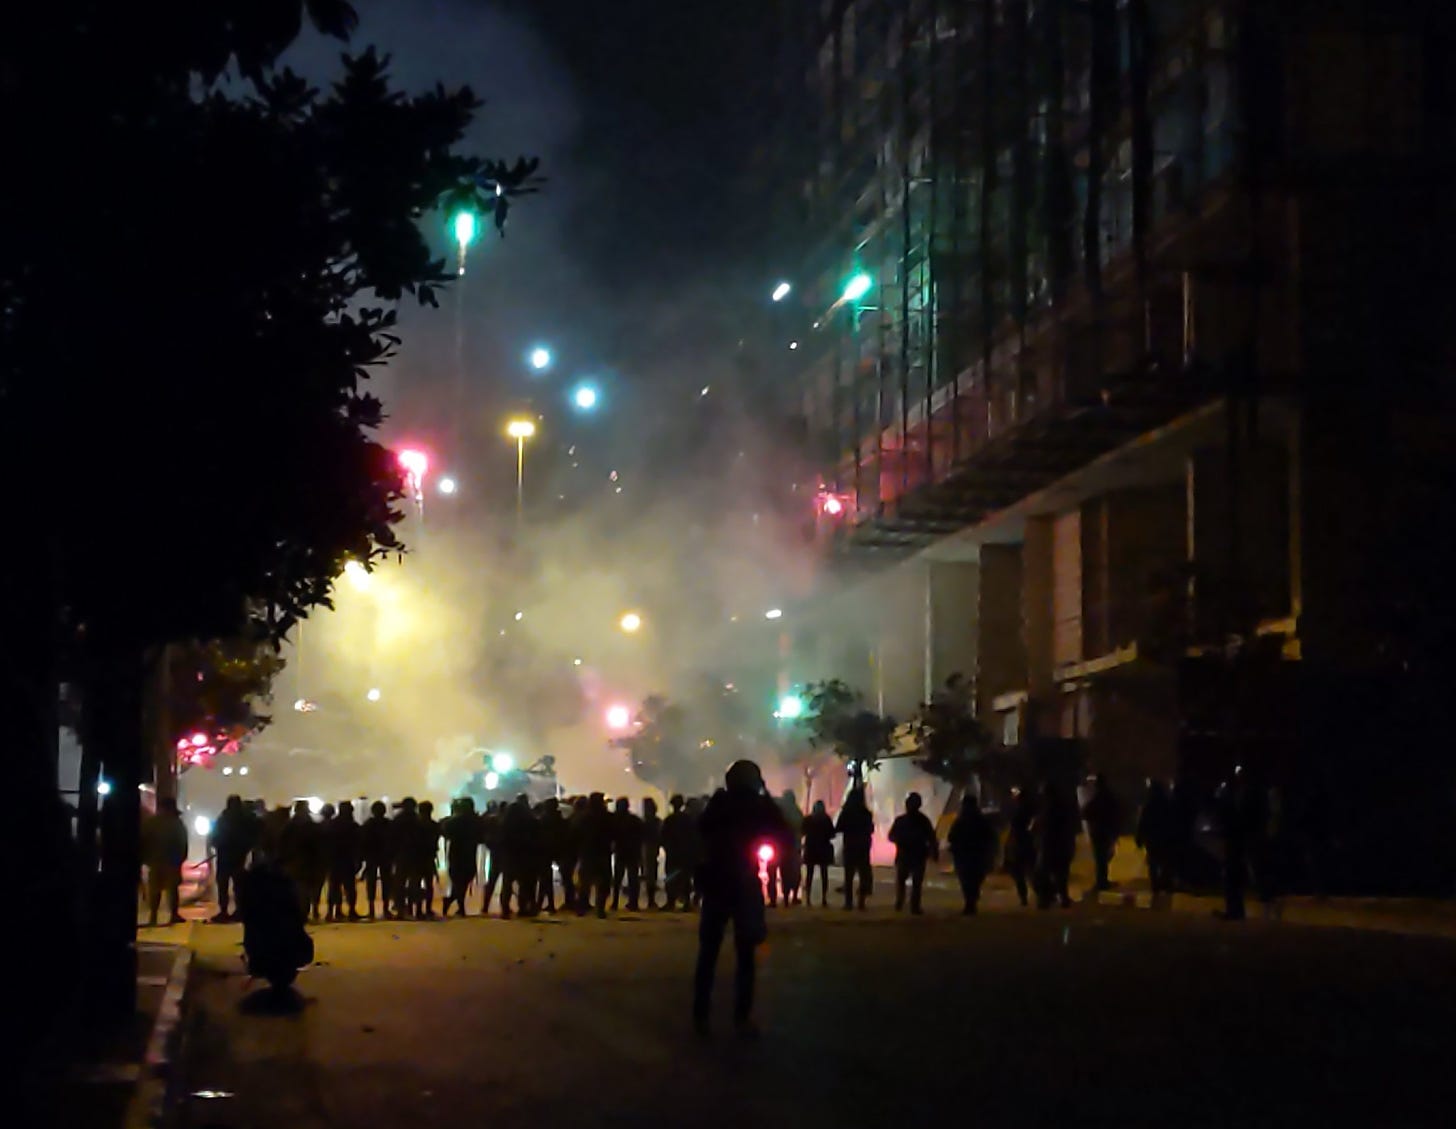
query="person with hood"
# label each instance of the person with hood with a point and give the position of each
(916, 843)
(818, 837)
(738, 819)
(972, 842)
(627, 859)
(233, 837)
(461, 829)
(677, 849)
(856, 826)
(651, 848)
(377, 846)
(345, 845)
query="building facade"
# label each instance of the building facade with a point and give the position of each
(1127, 363)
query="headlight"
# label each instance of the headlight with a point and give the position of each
(202, 825)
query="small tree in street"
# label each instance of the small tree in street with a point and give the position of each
(659, 749)
(837, 719)
(950, 741)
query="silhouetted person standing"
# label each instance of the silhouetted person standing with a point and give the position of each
(573, 888)
(1157, 836)
(491, 835)
(1020, 851)
(1055, 831)
(627, 861)
(164, 850)
(318, 880)
(856, 826)
(551, 827)
(1230, 811)
(518, 873)
(737, 820)
(233, 838)
(596, 855)
(461, 829)
(427, 853)
(972, 843)
(405, 829)
(346, 846)
(1103, 816)
(818, 838)
(915, 844)
(651, 848)
(300, 853)
(677, 849)
(377, 848)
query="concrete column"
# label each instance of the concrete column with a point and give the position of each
(952, 615)
(1000, 643)
(1036, 603)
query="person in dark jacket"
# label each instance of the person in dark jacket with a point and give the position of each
(818, 852)
(677, 850)
(318, 882)
(1055, 830)
(736, 822)
(572, 883)
(233, 837)
(461, 832)
(491, 831)
(651, 848)
(377, 847)
(300, 854)
(627, 859)
(518, 872)
(856, 826)
(915, 844)
(164, 850)
(1020, 853)
(972, 843)
(345, 846)
(553, 832)
(427, 859)
(1231, 814)
(1103, 816)
(597, 838)
(405, 830)
(1157, 836)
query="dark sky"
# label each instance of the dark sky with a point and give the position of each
(630, 265)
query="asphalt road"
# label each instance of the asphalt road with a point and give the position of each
(1090, 1016)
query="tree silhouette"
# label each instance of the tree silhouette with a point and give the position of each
(837, 719)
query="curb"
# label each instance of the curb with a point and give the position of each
(150, 1106)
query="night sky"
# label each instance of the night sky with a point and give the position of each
(630, 264)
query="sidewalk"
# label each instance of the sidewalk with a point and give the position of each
(120, 1080)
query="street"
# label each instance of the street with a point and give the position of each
(1089, 1016)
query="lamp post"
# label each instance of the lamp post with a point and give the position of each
(520, 430)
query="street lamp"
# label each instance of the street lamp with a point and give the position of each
(618, 717)
(781, 291)
(631, 622)
(585, 397)
(358, 575)
(540, 358)
(520, 430)
(447, 485)
(857, 287)
(774, 613)
(373, 694)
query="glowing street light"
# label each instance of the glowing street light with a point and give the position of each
(358, 575)
(540, 358)
(520, 430)
(202, 825)
(781, 291)
(631, 623)
(618, 717)
(585, 397)
(103, 787)
(857, 287)
(774, 613)
(373, 694)
(791, 707)
(447, 485)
